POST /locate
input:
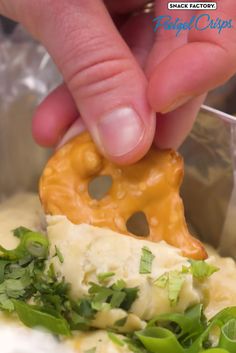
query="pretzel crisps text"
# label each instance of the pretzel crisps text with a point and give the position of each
(150, 187)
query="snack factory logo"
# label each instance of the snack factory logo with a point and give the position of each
(202, 22)
(177, 5)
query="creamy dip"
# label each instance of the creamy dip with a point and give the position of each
(89, 251)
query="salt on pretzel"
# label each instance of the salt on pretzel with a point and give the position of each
(149, 188)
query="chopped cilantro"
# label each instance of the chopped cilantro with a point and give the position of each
(5, 303)
(117, 295)
(131, 296)
(3, 264)
(59, 255)
(85, 309)
(119, 285)
(102, 277)
(117, 299)
(146, 260)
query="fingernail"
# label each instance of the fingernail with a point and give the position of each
(119, 131)
(176, 104)
(75, 129)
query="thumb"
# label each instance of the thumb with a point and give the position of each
(104, 79)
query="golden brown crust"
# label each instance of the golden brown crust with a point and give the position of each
(150, 185)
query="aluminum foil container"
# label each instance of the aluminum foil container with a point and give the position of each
(27, 74)
(208, 185)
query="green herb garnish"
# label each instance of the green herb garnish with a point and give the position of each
(228, 336)
(102, 277)
(32, 245)
(201, 269)
(115, 339)
(20, 231)
(173, 281)
(117, 295)
(59, 255)
(146, 260)
(186, 333)
(40, 298)
(32, 316)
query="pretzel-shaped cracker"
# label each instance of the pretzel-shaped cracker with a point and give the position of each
(149, 188)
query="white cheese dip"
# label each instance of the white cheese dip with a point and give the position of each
(19, 339)
(89, 251)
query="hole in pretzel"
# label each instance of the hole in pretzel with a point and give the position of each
(137, 224)
(99, 186)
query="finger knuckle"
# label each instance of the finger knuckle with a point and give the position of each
(96, 69)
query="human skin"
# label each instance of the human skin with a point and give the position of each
(127, 85)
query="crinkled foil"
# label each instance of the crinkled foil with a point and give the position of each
(27, 74)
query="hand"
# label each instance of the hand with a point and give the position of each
(117, 87)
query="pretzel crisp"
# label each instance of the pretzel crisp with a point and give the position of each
(150, 186)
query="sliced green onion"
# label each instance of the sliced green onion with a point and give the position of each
(36, 244)
(175, 284)
(215, 350)
(31, 243)
(224, 316)
(146, 260)
(159, 340)
(115, 339)
(20, 231)
(32, 317)
(228, 336)
(189, 324)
